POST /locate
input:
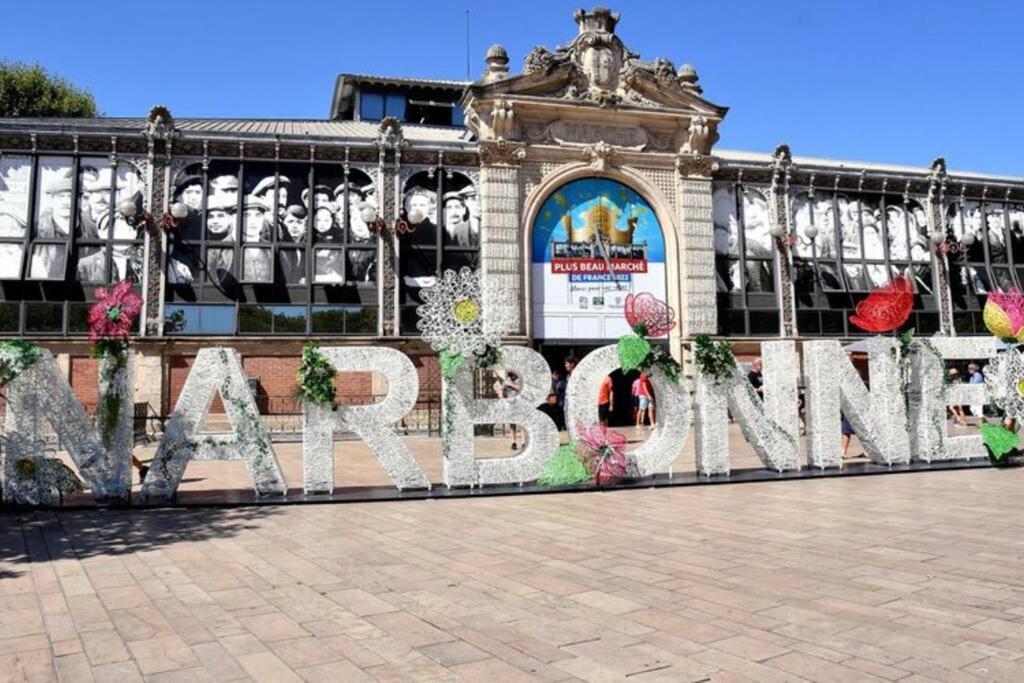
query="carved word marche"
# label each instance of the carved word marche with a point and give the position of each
(900, 419)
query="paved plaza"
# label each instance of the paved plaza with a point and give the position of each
(901, 577)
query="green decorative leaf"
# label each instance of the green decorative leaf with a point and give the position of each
(15, 356)
(316, 377)
(633, 352)
(713, 359)
(564, 468)
(450, 363)
(998, 439)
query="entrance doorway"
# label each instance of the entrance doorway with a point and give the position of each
(556, 353)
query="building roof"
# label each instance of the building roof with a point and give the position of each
(857, 166)
(402, 80)
(288, 130)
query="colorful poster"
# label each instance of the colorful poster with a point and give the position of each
(594, 242)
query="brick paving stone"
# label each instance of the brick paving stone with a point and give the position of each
(869, 578)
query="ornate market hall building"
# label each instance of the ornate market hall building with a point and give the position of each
(589, 174)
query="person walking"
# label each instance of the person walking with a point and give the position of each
(508, 388)
(974, 376)
(605, 400)
(642, 391)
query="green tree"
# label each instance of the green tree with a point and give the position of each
(30, 90)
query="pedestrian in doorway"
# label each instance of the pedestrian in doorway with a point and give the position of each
(558, 387)
(956, 410)
(605, 400)
(508, 388)
(642, 394)
(756, 378)
(974, 376)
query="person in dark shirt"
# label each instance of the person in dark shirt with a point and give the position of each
(755, 378)
(554, 410)
(558, 385)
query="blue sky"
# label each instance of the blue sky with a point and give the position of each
(898, 82)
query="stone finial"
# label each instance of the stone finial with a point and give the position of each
(688, 78)
(497, 64)
(597, 20)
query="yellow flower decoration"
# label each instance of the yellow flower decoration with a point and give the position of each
(466, 311)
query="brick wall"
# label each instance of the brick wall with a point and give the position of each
(277, 383)
(84, 373)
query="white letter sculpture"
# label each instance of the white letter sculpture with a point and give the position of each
(371, 423)
(674, 416)
(42, 394)
(772, 427)
(879, 416)
(215, 370)
(931, 396)
(461, 468)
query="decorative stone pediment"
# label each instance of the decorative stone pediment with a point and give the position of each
(593, 89)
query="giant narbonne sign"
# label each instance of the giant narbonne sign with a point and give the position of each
(897, 422)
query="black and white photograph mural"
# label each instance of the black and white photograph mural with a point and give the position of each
(441, 210)
(15, 179)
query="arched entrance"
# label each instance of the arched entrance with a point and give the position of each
(594, 241)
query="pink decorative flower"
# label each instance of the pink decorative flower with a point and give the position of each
(603, 451)
(113, 315)
(648, 316)
(1004, 314)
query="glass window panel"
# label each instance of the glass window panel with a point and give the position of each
(927, 323)
(1003, 279)
(458, 116)
(419, 208)
(456, 260)
(257, 264)
(220, 266)
(190, 319)
(188, 189)
(15, 175)
(856, 279)
(974, 223)
(95, 192)
(362, 265)
(756, 224)
(395, 106)
(849, 227)
(727, 227)
(255, 319)
(833, 322)
(329, 266)
(126, 262)
(48, 262)
(92, 264)
(54, 202)
(292, 265)
(11, 256)
(257, 221)
(802, 219)
(294, 225)
(759, 276)
(222, 202)
(920, 241)
(361, 320)
(182, 264)
(1015, 213)
(461, 212)
(371, 106)
(824, 220)
(328, 320)
(9, 316)
(41, 317)
(829, 274)
(289, 319)
(764, 322)
(877, 274)
(727, 274)
(78, 318)
(922, 279)
(362, 194)
(808, 322)
(871, 220)
(995, 228)
(896, 231)
(130, 187)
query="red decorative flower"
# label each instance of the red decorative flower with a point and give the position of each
(648, 316)
(604, 452)
(886, 308)
(114, 313)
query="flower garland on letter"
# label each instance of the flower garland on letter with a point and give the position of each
(1004, 375)
(111, 320)
(647, 317)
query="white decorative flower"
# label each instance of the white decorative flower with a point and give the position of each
(452, 318)
(1004, 377)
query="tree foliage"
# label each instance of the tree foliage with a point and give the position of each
(30, 90)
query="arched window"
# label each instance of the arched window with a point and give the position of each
(594, 242)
